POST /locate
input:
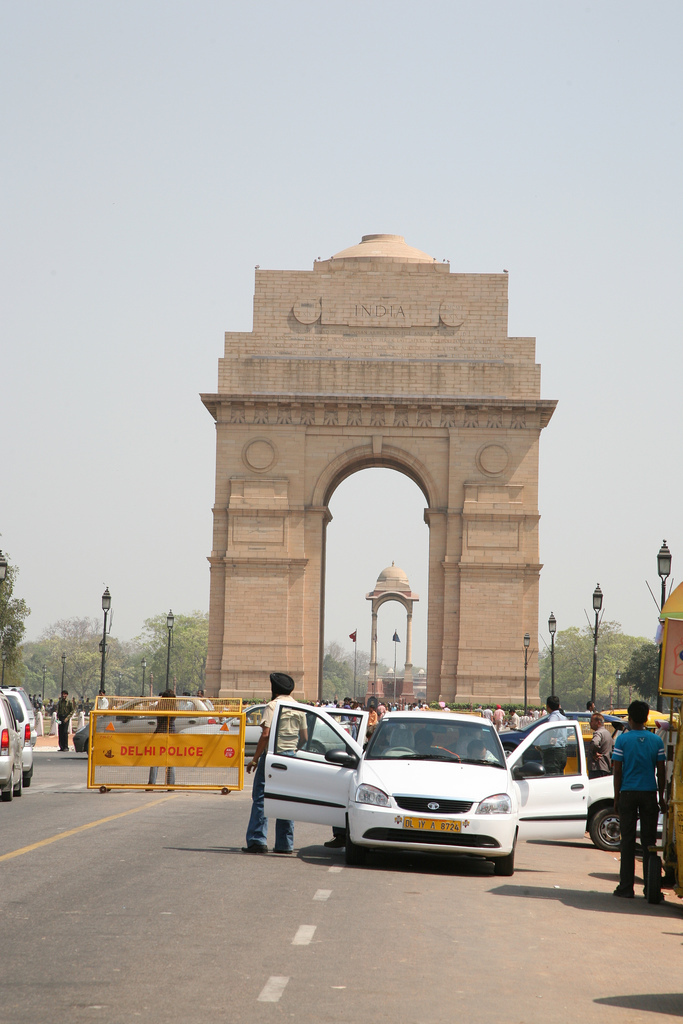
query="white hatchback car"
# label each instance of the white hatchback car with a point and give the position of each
(430, 782)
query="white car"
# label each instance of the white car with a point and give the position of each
(11, 747)
(30, 713)
(430, 782)
(24, 726)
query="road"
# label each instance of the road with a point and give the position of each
(154, 912)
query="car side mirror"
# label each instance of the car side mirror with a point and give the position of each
(342, 757)
(530, 770)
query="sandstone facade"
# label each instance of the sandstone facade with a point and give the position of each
(379, 356)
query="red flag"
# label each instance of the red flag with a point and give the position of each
(352, 636)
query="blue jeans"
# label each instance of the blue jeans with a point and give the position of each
(170, 776)
(257, 829)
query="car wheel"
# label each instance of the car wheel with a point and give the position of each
(505, 865)
(354, 855)
(605, 830)
(27, 779)
(19, 786)
(654, 879)
(7, 794)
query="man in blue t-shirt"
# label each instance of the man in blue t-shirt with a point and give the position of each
(639, 766)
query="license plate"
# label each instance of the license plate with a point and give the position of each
(431, 825)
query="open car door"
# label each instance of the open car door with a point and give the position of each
(300, 784)
(550, 776)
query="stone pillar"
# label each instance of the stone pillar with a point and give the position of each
(407, 692)
(372, 682)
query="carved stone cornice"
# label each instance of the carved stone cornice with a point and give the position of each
(432, 412)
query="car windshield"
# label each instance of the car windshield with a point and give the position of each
(435, 740)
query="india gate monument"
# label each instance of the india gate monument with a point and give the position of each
(378, 356)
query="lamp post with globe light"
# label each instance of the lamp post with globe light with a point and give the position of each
(170, 619)
(597, 605)
(106, 605)
(663, 571)
(552, 629)
(527, 641)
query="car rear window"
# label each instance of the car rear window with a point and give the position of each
(26, 702)
(17, 706)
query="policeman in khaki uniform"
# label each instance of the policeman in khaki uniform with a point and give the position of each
(292, 733)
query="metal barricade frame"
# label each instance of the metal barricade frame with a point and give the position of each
(192, 743)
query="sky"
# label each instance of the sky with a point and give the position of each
(153, 153)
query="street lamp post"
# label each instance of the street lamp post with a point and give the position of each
(618, 675)
(552, 629)
(4, 658)
(144, 666)
(597, 605)
(663, 571)
(63, 669)
(44, 671)
(170, 619)
(106, 605)
(527, 641)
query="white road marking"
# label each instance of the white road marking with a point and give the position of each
(323, 894)
(304, 935)
(335, 870)
(272, 990)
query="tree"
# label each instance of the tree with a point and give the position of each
(13, 611)
(190, 644)
(79, 640)
(338, 672)
(574, 664)
(642, 671)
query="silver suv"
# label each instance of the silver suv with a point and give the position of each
(26, 701)
(24, 726)
(11, 744)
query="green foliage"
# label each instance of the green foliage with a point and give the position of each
(189, 647)
(13, 611)
(338, 672)
(574, 664)
(642, 672)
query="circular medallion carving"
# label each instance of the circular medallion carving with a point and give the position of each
(451, 315)
(493, 459)
(259, 454)
(307, 311)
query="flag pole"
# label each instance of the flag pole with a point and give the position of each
(395, 650)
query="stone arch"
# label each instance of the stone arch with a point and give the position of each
(363, 457)
(377, 357)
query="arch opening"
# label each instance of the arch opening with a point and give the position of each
(377, 518)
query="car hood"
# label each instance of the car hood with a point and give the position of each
(435, 778)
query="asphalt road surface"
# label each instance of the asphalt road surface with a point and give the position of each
(141, 905)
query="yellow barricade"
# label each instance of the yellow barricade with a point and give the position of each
(184, 743)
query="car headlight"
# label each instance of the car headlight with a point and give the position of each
(498, 804)
(372, 795)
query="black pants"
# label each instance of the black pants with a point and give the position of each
(63, 730)
(634, 804)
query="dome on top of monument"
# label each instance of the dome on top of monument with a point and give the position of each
(392, 578)
(384, 247)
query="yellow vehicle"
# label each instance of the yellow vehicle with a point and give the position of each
(652, 719)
